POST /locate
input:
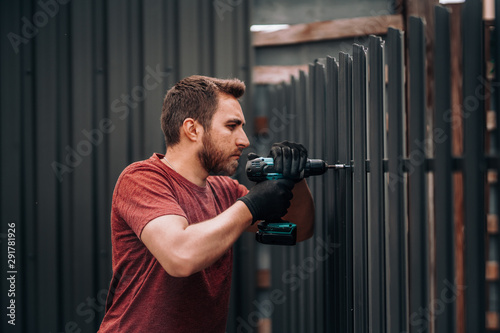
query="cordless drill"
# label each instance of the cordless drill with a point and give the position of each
(279, 232)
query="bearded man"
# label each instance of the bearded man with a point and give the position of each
(175, 217)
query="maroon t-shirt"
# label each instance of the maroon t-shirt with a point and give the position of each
(143, 297)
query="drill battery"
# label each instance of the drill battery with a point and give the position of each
(277, 233)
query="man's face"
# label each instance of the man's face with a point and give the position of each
(224, 142)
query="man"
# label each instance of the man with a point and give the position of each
(174, 223)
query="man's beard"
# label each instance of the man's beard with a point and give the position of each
(215, 161)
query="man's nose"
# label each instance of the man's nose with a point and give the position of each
(242, 140)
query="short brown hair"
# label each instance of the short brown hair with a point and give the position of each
(194, 97)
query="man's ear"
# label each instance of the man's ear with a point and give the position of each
(192, 129)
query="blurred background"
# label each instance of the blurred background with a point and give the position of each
(81, 89)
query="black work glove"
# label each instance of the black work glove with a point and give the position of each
(269, 199)
(289, 159)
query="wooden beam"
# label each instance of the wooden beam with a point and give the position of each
(263, 278)
(276, 74)
(328, 30)
(492, 271)
(492, 320)
(264, 325)
(492, 226)
(491, 120)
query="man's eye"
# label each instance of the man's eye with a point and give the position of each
(232, 126)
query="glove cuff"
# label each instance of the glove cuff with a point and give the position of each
(251, 208)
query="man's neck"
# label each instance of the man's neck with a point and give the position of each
(187, 165)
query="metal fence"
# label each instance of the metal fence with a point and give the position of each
(370, 266)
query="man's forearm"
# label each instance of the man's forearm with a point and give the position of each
(184, 249)
(209, 240)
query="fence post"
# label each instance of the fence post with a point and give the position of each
(474, 176)
(319, 189)
(309, 284)
(418, 237)
(445, 252)
(396, 194)
(360, 240)
(333, 227)
(376, 225)
(344, 193)
(293, 130)
(303, 138)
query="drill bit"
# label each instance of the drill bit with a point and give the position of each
(338, 166)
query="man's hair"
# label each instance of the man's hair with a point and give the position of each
(194, 97)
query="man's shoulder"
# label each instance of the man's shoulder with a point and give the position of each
(138, 171)
(149, 164)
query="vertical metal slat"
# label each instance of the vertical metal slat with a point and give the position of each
(278, 263)
(65, 184)
(496, 98)
(360, 271)
(303, 138)
(376, 225)
(344, 193)
(135, 34)
(418, 244)
(332, 229)
(12, 227)
(189, 37)
(30, 308)
(154, 57)
(293, 252)
(474, 178)
(397, 234)
(319, 138)
(445, 274)
(83, 246)
(310, 283)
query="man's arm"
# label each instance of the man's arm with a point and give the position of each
(184, 249)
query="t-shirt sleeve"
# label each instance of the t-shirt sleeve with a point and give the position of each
(242, 190)
(237, 189)
(143, 195)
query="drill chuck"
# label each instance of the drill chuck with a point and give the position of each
(315, 167)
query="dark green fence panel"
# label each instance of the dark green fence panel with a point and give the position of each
(82, 86)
